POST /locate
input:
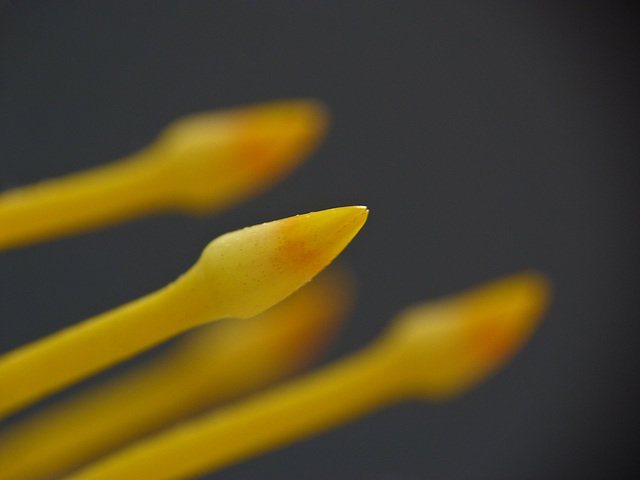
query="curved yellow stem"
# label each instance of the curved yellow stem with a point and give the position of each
(212, 364)
(412, 359)
(297, 410)
(239, 274)
(201, 163)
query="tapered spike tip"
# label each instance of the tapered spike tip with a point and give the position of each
(256, 267)
(220, 158)
(452, 344)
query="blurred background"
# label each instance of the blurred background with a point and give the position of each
(485, 137)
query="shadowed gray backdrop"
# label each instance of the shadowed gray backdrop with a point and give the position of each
(485, 137)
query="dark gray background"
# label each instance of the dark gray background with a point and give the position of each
(485, 137)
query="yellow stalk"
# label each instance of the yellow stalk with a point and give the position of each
(201, 163)
(238, 275)
(430, 352)
(211, 365)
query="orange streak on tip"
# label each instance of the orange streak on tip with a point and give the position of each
(492, 342)
(462, 339)
(506, 313)
(308, 239)
(275, 135)
(258, 266)
(237, 153)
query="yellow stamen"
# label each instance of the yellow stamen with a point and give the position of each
(213, 364)
(238, 274)
(412, 360)
(201, 163)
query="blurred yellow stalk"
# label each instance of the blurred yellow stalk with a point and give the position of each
(201, 163)
(211, 365)
(239, 274)
(432, 351)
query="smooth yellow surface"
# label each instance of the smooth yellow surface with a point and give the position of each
(452, 344)
(212, 364)
(238, 274)
(475, 332)
(199, 164)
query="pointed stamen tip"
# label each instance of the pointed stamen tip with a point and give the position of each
(521, 297)
(336, 217)
(311, 241)
(214, 160)
(454, 343)
(306, 114)
(315, 239)
(539, 286)
(274, 135)
(258, 266)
